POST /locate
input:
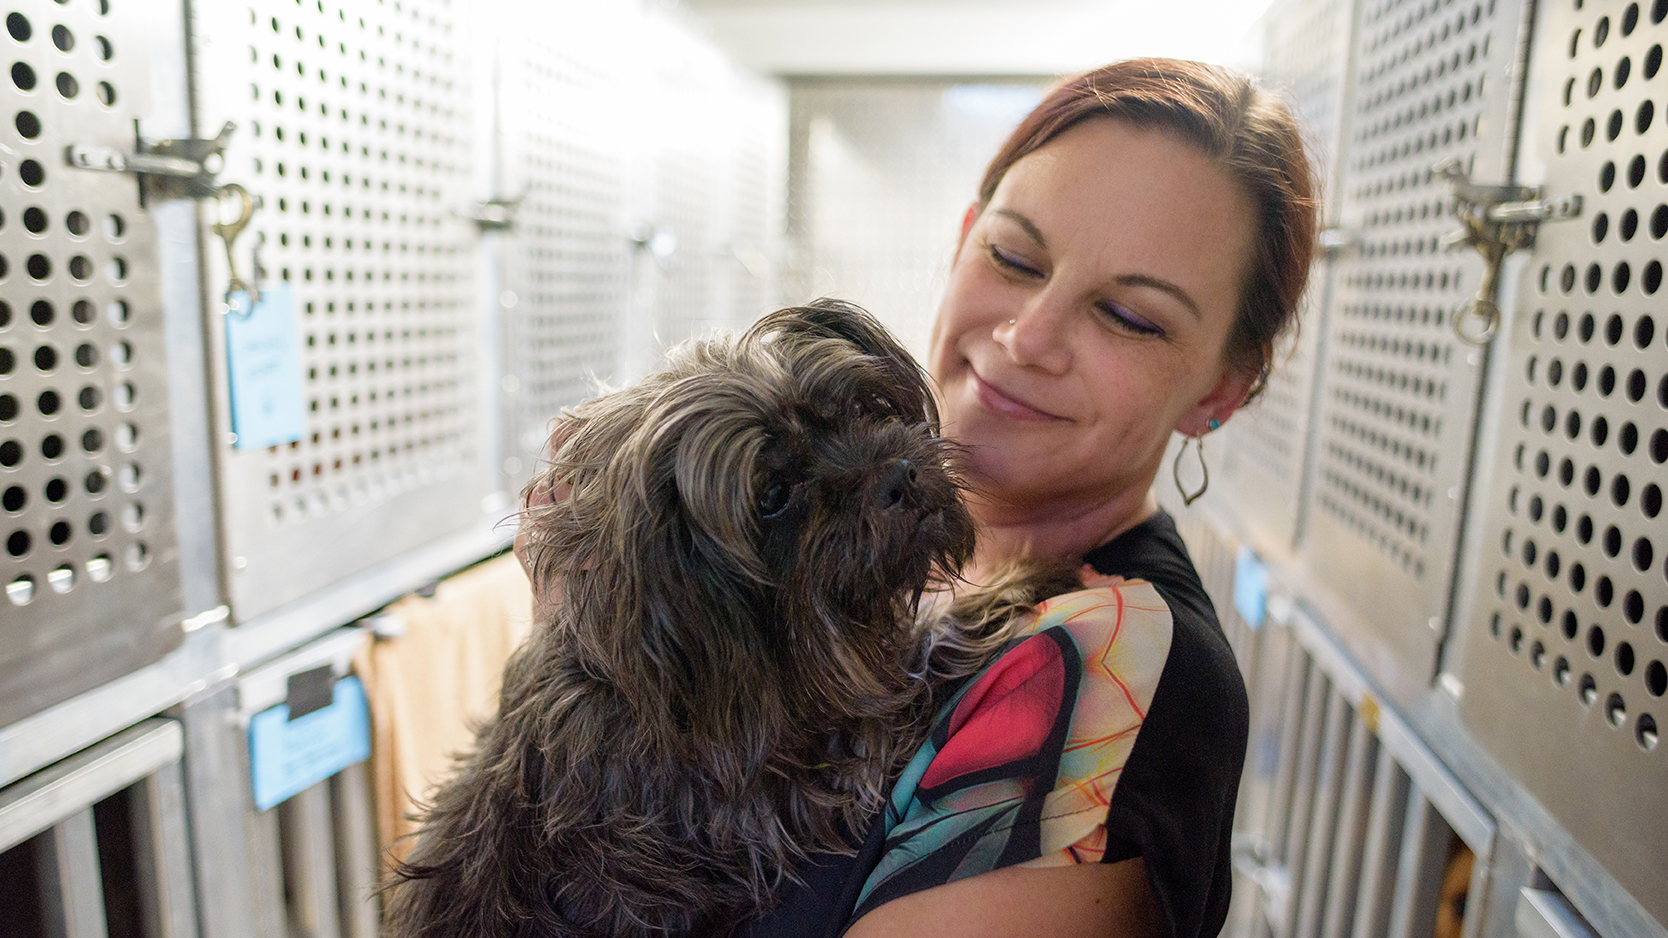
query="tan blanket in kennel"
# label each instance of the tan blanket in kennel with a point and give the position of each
(429, 688)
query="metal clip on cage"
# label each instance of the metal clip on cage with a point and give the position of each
(167, 169)
(1498, 220)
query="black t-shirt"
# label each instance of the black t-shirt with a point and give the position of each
(1174, 803)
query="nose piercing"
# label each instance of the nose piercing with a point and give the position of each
(1012, 321)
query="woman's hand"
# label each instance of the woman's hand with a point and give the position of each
(1089, 899)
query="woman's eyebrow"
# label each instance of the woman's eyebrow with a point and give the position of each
(1025, 223)
(1143, 280)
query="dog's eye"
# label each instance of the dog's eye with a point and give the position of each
(775, 499)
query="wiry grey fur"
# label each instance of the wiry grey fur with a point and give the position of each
(730, 669)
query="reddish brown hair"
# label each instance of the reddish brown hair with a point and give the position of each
(1248, 131)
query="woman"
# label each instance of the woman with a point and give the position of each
(1138, 246)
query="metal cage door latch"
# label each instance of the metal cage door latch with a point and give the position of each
(1497, 220)
(167, 169)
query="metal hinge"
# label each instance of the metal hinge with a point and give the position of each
(167, 169)
(1497, 220)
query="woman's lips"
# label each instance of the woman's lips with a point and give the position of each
(995, 400)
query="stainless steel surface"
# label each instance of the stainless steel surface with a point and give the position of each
(86, 506)
(357, 868)
(1386, 821)
(163, 855)
(355, 138)
(1344, 887)
(47, 797)
(73, 906)
(268, 685)
(1565, 659)
(1258, 459)
(1419, 870)
(1318, 860)
(1398, 401)
(1543, 913)
(304, 829)
(259, 640)
(564, 267)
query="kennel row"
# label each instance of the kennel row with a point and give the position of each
(289, 292)
(1440, 558)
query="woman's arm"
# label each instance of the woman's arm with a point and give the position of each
(1088, 899)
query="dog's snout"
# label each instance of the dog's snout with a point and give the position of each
(896, 483)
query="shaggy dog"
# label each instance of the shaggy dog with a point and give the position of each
(729, 667)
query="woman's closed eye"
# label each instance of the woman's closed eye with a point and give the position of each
(1122, 318)
(1009, 261)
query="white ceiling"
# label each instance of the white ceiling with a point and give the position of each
(973, 37)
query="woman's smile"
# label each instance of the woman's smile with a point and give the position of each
(1005, 402)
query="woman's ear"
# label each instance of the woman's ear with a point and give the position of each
(967, 220)
(1218, 405)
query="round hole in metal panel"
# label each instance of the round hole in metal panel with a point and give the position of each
(1595, 81)
(1628, 439)
(98, 523)
(1659, 446)
(96, 482)
(1595, 276)
(1615, 710)
(1515, 640)
(28, 125)
(1592, 480)
(67, 85)
(21, 591)
(59, 533)
(19, 27)
(1572, 423)
(133, 517)
(98, 568)
(63, 38)
(1523, 596)
(106, 51)
(1543, 610)
(115, 227)
(34, 219)
(77, 223)
(1566, 471)
(1549, 418)
(1644, 330)
(1587, 690)
(8, 408)
(48, 402)
(32, 173)
(1620, 276)
(1645, 732)
(1601, 31)
(1589, 130)
(1636, 166)
(106, 94)
(56, 489)
(127, 437)
(39, 267)
(1650, 500)
(80, 268)
(23, 76)
(1630, 224)
(86, 355)
(1600, 430)
(52, 446)
(82, 312)
(1630, 19)
(1644, 552)
(88, 397)
(1633, 606)
(1620, 489)
(1656, 678)
(1624, 659)
(1529, 552)
(1561, 671)
(18, 543)
(137, 556)
(15, 499)
(119, 312)
(1537, 654)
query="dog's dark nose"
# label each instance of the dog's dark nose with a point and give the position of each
(896, 483)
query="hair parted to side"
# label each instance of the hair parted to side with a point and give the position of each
(1247, 130)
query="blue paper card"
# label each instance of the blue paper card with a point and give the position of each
(1250, 587)
(263, 348)
(288, 756)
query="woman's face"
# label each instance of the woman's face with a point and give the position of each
(1086, 315)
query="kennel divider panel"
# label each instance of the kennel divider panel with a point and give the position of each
(1564, 658)
(355, 140)
(1258, 460)
(1433, 80)
(565, 265)
(90, 568)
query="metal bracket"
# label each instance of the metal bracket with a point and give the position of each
(494, 214)
(167, 169)
(1497, 220)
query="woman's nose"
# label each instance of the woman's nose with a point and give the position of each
(1035, 337)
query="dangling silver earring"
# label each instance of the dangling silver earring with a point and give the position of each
(1188, 498)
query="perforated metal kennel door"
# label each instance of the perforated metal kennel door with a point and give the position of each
(566, 263)
(1261, 452)
(1566, 657)
(1433, 80)
(86, 510)
(355, 137)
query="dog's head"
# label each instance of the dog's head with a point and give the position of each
(743, 535)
